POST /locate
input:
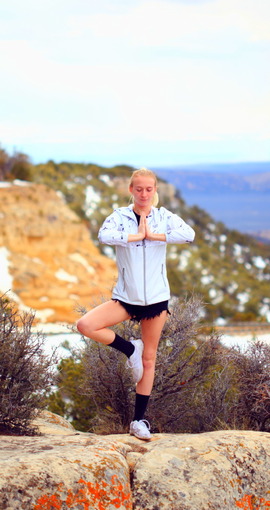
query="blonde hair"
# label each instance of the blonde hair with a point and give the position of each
(144, 172)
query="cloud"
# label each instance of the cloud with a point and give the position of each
(134, 72)
(161, 23)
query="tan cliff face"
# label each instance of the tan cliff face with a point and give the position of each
(48, 258)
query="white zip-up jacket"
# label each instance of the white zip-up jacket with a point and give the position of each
(142, 276)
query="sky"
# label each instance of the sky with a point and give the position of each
(141, 82)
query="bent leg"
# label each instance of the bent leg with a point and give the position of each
(95, 323)
(151, 331)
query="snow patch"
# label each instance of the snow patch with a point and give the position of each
(61, 274)
(92, 199)
(232, 287)
(220, 321)
(6, 281)
(259, 262)
(264, 311)
(19, 182)
(183, 259)
(109, 252)
(106, 179)
(242, 341)
(243, 297)
(205, 280)
(237, 250)
(210, 237)
(43, 315)
(77, 257)
(216, 296)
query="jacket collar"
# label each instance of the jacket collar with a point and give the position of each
(128, 211)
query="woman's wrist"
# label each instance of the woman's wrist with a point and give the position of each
(135, 237)
(156, 237)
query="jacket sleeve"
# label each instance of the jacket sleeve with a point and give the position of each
(178, 231)
(112, 231)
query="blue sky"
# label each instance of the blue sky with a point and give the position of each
(142, 82)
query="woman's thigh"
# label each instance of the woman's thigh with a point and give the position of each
(151, 331)
(105, 315)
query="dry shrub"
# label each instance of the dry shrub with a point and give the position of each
(26, 373)
(253, 375)
(200, 385)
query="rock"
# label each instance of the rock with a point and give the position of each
(50, 262)
(220, 470)
(50, 423)
(74, 470)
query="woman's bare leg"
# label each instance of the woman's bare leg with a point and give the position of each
(95, 323)
(151, 331)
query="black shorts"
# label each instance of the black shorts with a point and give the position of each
(137, 312)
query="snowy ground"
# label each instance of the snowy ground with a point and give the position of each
(243, 340)
(55, 338)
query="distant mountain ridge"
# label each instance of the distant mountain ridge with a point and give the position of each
(235, 177)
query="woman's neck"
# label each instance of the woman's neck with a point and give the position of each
(140, 210)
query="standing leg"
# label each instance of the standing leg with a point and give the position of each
(151, 331)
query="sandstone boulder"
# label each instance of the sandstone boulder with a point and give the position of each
(65, 469)
(71, 471)
(222, 470)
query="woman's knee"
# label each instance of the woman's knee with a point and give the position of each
(84, 326)
(149, 359)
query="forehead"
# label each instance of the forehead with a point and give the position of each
(143, 181)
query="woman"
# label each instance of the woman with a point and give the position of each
(139, 233)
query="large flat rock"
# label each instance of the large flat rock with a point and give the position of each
(62, 472)
(64, 469)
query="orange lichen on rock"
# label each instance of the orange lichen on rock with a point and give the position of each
(90, 496)
(250, 502)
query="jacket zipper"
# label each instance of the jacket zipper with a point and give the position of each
(144, 271)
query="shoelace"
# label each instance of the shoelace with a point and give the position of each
(146, 423)
(129, 363)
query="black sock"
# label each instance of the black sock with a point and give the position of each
(122, 345)
(140, 406)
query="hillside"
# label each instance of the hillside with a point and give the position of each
(230, 270)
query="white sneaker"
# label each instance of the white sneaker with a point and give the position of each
(135, 361)
(140, 429)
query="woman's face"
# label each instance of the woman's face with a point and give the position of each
(143, 189)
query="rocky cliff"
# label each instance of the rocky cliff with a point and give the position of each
(47, 257)
(65, 469)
